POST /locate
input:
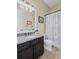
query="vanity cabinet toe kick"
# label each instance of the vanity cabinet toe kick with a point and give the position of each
(31, 49)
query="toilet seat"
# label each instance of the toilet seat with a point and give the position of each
(48, 45)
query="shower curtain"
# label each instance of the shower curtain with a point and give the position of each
(53, 28)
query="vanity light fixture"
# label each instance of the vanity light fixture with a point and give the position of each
(26, 5)
(30, 9)
(21, 6)
(26, 8)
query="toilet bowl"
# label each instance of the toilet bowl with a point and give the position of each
(48, 45)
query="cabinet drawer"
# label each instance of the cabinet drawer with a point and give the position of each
(33, 42)
(23, 46)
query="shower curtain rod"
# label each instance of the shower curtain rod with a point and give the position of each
(52, 12)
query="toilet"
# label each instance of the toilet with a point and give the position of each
(48, 45)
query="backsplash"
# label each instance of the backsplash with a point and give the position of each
(25, 34)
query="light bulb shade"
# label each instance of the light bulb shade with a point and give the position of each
(21, 6)
(26, 8)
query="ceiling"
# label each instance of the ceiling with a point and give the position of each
(50, 3)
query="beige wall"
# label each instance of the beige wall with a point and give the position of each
(55, 8)
(42, 9)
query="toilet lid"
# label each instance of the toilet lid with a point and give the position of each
(48, 41)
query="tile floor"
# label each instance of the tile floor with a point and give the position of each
(54, 54)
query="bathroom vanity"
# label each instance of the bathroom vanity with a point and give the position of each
(29, 45)
(30, 48)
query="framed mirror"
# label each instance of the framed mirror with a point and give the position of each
(26, 17)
